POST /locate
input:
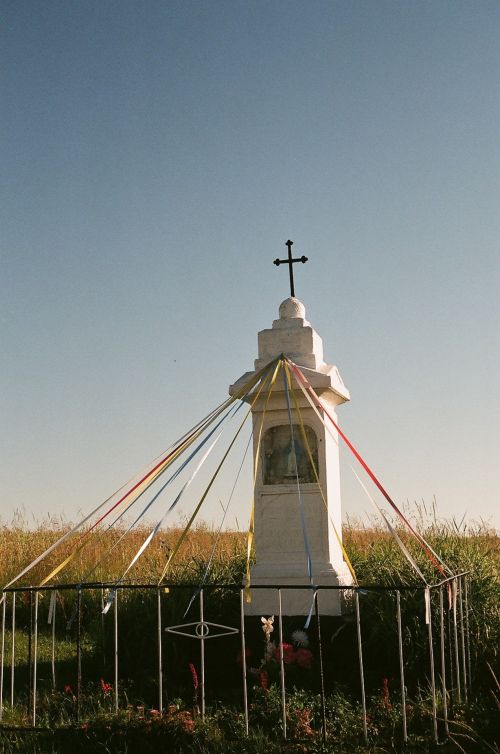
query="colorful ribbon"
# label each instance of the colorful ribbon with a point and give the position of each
(316, 475)
(183, 535)
(251, 527)
(148, 479)
(435, 559)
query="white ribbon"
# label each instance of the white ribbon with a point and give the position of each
(52, 606)
(158, 525)
(427, 600)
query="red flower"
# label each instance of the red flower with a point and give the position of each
(303, 657)
(186, 721)
(106, 687)
(68, 689)
(194, 675)
(289, 654)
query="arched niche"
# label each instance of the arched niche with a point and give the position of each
(282, 458)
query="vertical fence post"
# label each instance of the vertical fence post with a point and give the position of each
(361, 670)
(4, 604)
(244, 660)
(103, 630)
(35, 659)
(53, 654)
(462, 638)
(160, 656)
(78, 651)
(450, 658)
(321, 671)
(282, 665)
(455, 637)
(115, 616)
(30, 656)
(431, 661)
(13, 653)
(202, 654)
(467, 630)
(401, 666)
(443, 660)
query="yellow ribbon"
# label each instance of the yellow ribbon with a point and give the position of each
(128, 502)
(251, 528)
(251, 383)
(311, 460)
(99, 533)
(399, 542)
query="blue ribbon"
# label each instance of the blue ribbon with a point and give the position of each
(301, 501)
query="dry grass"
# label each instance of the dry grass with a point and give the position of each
(376, 558)
(106, 554)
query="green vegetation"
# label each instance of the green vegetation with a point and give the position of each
(180, 728)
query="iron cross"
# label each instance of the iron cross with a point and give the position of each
(290, 262)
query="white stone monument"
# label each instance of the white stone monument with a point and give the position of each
(279, 533)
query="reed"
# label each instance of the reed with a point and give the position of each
(107, 553)
(376, 558)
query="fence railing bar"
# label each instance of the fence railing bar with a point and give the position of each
(202, 655)
(450, 659)
(321, 671)
(443, 660)
(13, 651)
(282, 665)
(244, 660)
(445, 581)
(220, 585)
(431, 664)
(160, 655)
(2, 659)
(78, 652)
(35, 661)
(361, 669)
(103, 632)
(462, 639)
(401, 667)
(455, 638)
(53, 653)
(115, 620)
(467, 629)
(30, 656)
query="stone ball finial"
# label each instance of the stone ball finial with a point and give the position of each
(292, 308)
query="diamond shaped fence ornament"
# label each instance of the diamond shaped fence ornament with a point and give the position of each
(201, 630)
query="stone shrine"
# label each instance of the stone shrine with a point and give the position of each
(281, 557)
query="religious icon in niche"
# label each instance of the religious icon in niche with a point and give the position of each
(283, 460)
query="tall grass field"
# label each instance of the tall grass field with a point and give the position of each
(91, 723)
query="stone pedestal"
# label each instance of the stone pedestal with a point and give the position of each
(279, 530)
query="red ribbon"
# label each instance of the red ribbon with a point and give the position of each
(146, 476)
(370, 473)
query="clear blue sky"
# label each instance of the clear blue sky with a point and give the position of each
(155, 158)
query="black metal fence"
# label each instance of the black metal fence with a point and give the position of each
(153, 631)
